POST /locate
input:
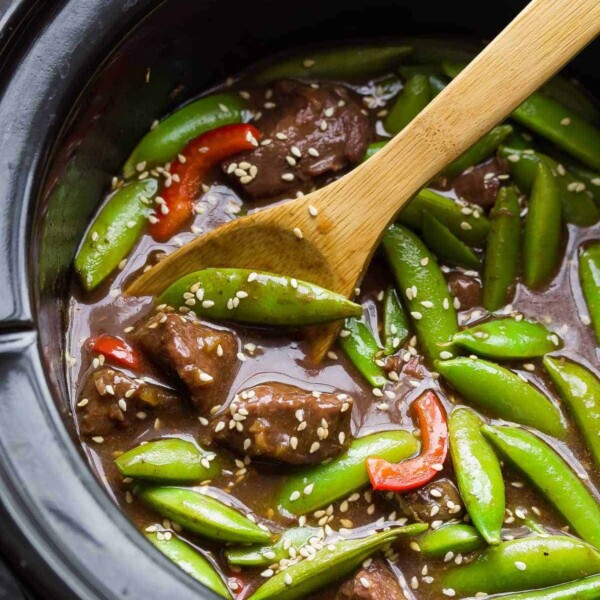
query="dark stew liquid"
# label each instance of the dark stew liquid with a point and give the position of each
(315, 124)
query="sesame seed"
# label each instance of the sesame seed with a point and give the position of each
(312, 210)
(308, 63)
(520, 565)
(514, 158)
(313, 152)
(448, 592)
(416, 315)
(445, 355)
(566, 121)
(294, 496)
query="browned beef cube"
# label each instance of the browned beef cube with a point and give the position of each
(285, 423)
(480, 184)
(466, 288)
(436, 501)
(310, 131)
(203, 358)
(111, 400)
(375, 582)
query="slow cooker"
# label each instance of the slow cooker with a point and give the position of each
(79, 82)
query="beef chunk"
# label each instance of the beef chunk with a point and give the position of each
(436, 501)
(411, 368)
(203, 358)
(112, 400)
(318, 130)
(467, 289)
(382, 584)
(285, 423)
(480, 184)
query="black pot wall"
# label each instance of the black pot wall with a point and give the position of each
(74, 98)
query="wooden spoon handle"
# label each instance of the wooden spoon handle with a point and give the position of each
(536, 44)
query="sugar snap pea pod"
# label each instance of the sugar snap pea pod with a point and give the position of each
(551, 475)
(589, 274)
(268, 554)
(314, 487)
(424, 290)
(395, 321)
(524, 564)
(192, 562)
(361, 348)
(577, 204)
(415, 96)
(458, 538)
(373, 149)
(502, 253)
(408, 71)
(591, 179)
(437, 83)
(479, 151)
(587, 588)
(507, 339)
(114, 232)
(328, 565)
(579, 389)
(502, 393)
(478, 474)
(342, 63)
(471, 228)
(169, 459)
(447, 247)
(541, 239)
(204, 515)
(249, 296)
(165, 141)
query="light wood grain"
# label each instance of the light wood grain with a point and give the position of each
(354, 211)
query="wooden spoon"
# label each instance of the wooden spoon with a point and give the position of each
(328, 237)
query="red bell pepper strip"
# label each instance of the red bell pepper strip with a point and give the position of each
(415, 472)
(115, 350)
(199, 156)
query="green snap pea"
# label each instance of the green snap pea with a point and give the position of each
(314, 487)
(373, 149)
(571, 94)
(555, 122)
(502, 393)
(328, 565)
(415, 96)
(409, 71)
(165, 141)
(263, 555)
(446, 246)
(471, 228)
(479, 151)
(424, 291)
(591, 179)
(580, 589)
(579, 389)
(507, 339)
(343, 63)
(192, 562)
(170, 459)
(577, 204)
(524, 564)
(114, 232)
(361, 347)
(478, 474)
(437, 83)
(541, 240)
(249, 296)
(457, 538)
(502, 253)
(551, 475)
(589, 275)
(204, 515)
(395, 321)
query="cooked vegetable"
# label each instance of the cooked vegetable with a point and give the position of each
(415, 96)
(115, 350)
(114, 232)
(541, 241)
(168, 459)
(502, 253)
(165, 141)
(202, 514)
(247, 296)
(423, 289)
(192, 562)
(417, 471)
(478, 474)
(457, 538)
(507, 339)
(504, 394)
(361, 348)
(395, 322)
(551, 475)
(309, 489)
(589, 274)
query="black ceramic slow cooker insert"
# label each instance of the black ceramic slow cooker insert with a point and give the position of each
(73, 101)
